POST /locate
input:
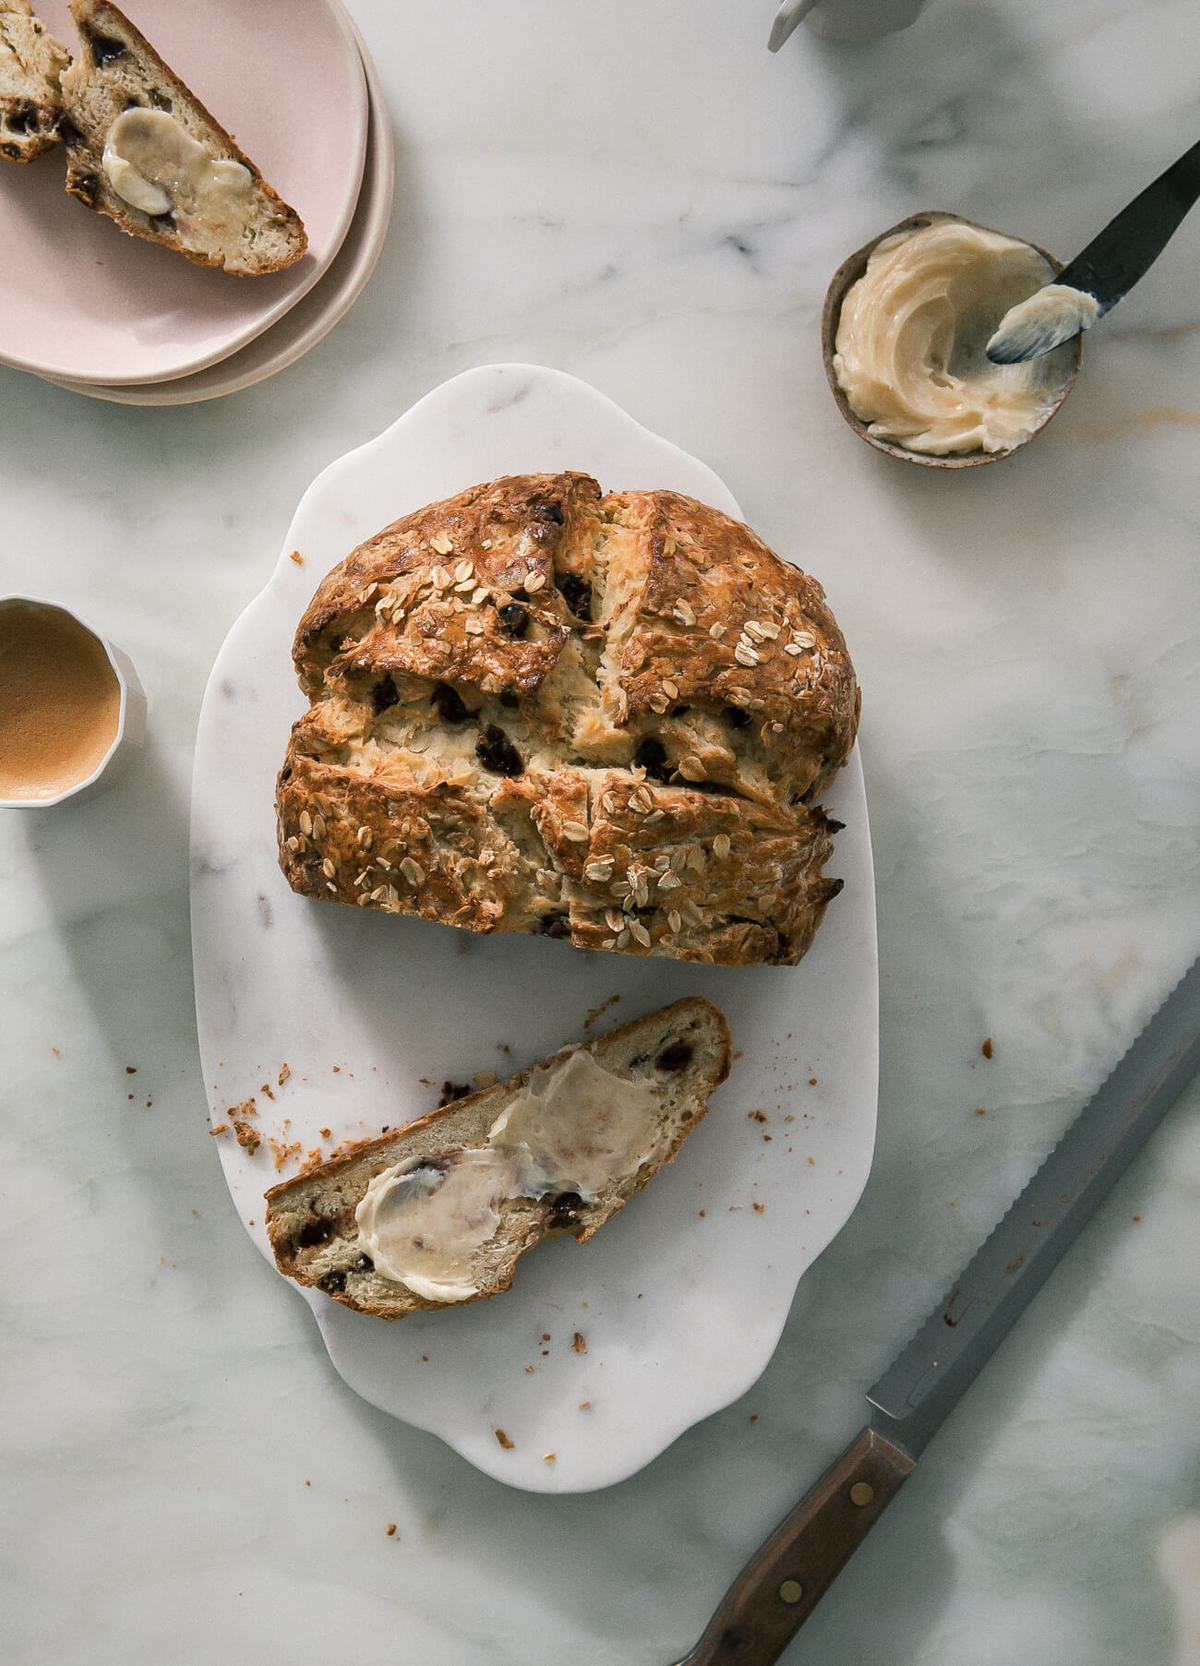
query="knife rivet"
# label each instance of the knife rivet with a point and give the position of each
(791, 1591)
(862, 1492)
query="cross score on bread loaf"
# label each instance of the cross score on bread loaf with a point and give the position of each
(537, 707)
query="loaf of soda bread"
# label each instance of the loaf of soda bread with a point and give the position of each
(538, 707)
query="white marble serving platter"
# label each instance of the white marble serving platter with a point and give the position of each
(681, 1300)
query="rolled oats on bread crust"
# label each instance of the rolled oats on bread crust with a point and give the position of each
(606, 717)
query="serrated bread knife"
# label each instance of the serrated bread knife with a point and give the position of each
(786, 1578)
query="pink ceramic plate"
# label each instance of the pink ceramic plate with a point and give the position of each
(313, 317)
(81, 301)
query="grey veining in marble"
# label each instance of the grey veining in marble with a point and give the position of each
(647, 198)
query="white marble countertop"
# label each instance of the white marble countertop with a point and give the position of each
(643, 196)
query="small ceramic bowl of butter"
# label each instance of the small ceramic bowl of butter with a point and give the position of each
(72, 711)
(905, 326)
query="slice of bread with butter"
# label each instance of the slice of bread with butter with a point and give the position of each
(142, 149)
(439, 1212)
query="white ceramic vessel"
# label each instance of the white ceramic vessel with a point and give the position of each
(129, 734)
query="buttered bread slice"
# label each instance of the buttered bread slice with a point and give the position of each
(142, 149)
(439, 1212)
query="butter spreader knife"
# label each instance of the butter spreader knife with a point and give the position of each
(1104, 273)
(787, 1576)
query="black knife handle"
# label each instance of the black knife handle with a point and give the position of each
(1129, 245)
(787, 1576)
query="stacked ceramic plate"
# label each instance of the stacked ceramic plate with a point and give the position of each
(103, 314)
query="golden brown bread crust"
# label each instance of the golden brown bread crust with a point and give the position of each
(538, 708)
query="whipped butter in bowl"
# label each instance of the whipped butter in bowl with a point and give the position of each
(71, 707)
(904, 334)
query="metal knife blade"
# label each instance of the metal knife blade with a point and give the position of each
(928, 1378)
(1107, 269)
(792, 1570)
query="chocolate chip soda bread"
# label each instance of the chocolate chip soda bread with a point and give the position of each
(538, 707)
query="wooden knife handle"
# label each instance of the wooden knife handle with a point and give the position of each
(788, 1575)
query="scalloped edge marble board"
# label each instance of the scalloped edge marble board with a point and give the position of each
(681, 1300)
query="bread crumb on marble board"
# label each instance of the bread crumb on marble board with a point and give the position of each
(284, 1152)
